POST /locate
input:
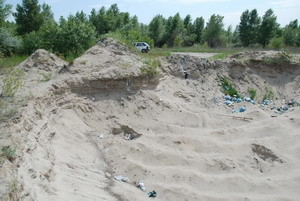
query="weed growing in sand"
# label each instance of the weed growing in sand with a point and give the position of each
(269, 95)
(150, 67)
(228, 87)
(280, 59)
(46, 77)
(8, 152)
(12, 82)
(252, 93)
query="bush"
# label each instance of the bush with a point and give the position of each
(8, 43)
(228, 88)
(276, 43)
(31, 42)
(150, 67)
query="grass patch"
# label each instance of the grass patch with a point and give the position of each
(280, 59)
(269, 94)
(8, 62)
(150, 67)
(11, 82)
(228, 87)
(252, 93)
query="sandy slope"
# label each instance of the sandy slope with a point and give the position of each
(187, 144)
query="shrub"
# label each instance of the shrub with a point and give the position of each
(228, 87)
(8, 43)
(150, 67)
(276, 43)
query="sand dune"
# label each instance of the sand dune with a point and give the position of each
(186, 144)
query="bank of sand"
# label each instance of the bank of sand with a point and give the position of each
(185, 143)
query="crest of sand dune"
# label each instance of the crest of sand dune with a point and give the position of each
(100, 127)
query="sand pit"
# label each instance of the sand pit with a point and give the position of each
(88, 132)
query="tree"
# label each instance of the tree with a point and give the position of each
(290, 33)
(174, 31)
(213, 30)
(267, 28)
(28, 17)
(73, 36)
(157, 30)
(5, 11)
(198, 29)
(248, 27)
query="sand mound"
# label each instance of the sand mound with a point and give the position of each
(104, 128)
(42, 60)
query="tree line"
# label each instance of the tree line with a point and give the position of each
(34, 27)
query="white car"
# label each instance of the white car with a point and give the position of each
(142, 46)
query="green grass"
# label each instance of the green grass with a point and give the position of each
(228, 87)
(9, 62)
(269, 94)
(252, 93)
(151, 67)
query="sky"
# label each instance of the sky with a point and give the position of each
(145, 10)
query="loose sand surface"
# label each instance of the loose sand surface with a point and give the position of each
(100, 118)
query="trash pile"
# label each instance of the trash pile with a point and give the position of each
(280, 109)
(230, 101)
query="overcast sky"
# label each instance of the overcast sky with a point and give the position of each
(145, 10)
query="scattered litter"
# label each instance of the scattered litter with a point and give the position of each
(141, 185)
(127, 137)
(152, 194)
(227, 97)
(241, 109)
(121, 178)
(100, 136)
(249, 100)
(228, 102)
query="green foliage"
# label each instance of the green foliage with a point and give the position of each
(151, 67)
(198, 29)
(5, 10)
(12, 82)
(31, 42)
(8, 62)
(290, 33)
(267, 28)
(9, 44)
(213, 30)
(252, 93)
(28, 16)
(157, 30)
(269, 94)
(248, 27)
(276, 43)
(228, 87)
(73, 36)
